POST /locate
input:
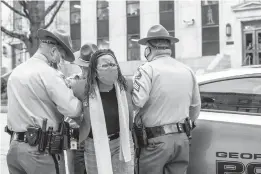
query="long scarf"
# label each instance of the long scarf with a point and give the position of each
(100, 137)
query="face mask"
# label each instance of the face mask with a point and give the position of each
(147, 52)
(108, 76)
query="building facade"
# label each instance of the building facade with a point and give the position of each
(211, 33)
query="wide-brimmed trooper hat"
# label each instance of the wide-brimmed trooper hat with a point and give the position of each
(157, 32)
(63, 38)
(82, 57)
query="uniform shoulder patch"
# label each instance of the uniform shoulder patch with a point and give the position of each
(136, 85)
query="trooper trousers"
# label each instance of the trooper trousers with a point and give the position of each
(25, 159)
(167, 154)
(119, 167)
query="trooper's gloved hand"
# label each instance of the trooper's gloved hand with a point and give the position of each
(78, 89)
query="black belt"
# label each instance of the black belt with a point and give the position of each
(153, 132)
(110, 137)
(19, 136)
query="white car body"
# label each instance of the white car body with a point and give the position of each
(225, 141)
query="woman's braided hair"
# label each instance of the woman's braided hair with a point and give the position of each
(92, 73)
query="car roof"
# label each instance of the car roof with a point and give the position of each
(229, 73)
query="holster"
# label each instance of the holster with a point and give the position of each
(33, 135)
(60, 140)
(188, 127)
(139, 133)
(55, 144)
(64, 128)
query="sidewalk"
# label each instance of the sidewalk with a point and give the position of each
(4, 146)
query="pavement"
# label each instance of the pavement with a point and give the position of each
(4, 146)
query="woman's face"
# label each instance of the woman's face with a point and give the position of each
(107, 70)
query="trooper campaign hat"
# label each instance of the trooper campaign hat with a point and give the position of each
(63, 39)
(157, 32)
(82, 57)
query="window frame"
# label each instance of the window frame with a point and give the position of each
(128, 47)
(97, 9)
(166, 11)
(128, 2)
(173, 46)
(204, 28)
(101, 22)
(71, 11)
(256, 75)
(17, 19)
(100, 38)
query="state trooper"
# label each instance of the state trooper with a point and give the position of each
(165, 94)
(76, 163)
(37, 92)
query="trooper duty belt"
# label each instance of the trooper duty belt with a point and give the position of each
(19, 136)
(156, 131)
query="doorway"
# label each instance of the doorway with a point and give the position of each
(251, 43)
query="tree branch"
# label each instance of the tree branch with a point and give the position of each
(24, 5)
(12, 34)
(13, 9)
(50, 8)
(54, 14)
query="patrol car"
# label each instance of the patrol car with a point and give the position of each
(227, 138)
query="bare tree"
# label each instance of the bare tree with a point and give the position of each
(33, 12)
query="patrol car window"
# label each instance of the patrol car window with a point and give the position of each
(239, 95)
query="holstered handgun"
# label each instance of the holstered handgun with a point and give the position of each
(43, 137)
(189, 125)
(66, 135)
(55, 146)
(49, 138)
(60, 140)
(139, 133)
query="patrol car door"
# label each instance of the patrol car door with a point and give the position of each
(227, 138)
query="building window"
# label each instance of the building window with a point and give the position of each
(75, 24)
(133, 47)
(103, 24)
(133, 30)
(16, 17)
(210, 27)
(103, 43)
(167, 19)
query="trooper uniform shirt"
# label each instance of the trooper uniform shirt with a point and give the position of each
(165, 91)
(37, 91)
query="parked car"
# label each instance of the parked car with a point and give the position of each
(227, 138)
